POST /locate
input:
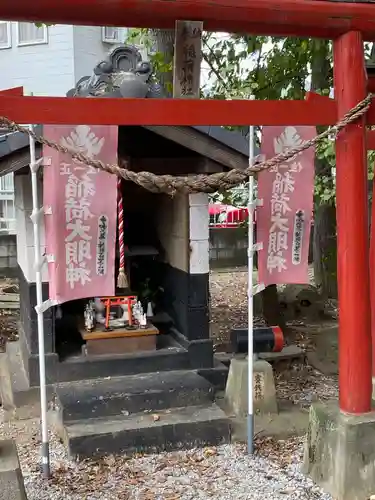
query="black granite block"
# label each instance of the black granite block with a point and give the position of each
(217, 376)
(198, 323)
(49, 335)
(184, 428)
(32, 298)
(131, 394)
(186, 299)
(51, 361)
(201, 354)
(91, 367)
(28, 316)
(198, 290)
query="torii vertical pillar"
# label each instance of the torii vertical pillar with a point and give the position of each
(372, 287)
(350, 84)
(340, 447)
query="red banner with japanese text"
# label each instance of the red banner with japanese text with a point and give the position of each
(80, 213)
(284, 219)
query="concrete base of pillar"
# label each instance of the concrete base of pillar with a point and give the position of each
(11, 480)
(236, 392)
(340, 452)
(6, 390)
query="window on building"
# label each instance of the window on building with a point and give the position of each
(7, 183)
(111, 34)
(7, 208)
(5, 35)
(30, 34)
(7, 216)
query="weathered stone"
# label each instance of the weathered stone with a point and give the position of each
(236, 393)
(11, 480)
(301, 301)
(6, 391)
(289, 352)
(340, 452)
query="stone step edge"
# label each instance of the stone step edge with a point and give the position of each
(135, 404)
(120, 423)
(184, 429)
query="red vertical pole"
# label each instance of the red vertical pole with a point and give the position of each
(372, 282)
(352, 230)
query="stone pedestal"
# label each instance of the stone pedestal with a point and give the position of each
(236, 392)
(340, 452)
(11, 480)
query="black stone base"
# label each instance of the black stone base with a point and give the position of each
(31, 363)
(182, 428)
(186, 299)
(28, 316)
(201, 352)
(109, 397)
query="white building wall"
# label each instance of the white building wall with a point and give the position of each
(54, 67)
(43, 69)
(25, 230)
(90, 49)
(50, 68)
(199, 234)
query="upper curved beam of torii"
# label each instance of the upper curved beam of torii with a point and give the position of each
(310, 18)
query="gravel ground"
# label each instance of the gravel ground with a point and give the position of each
(306, 386)
(228, 289)
(223, 473)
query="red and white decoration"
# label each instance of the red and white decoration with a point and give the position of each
(80, 213)
(284, 217)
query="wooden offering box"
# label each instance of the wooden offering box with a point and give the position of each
(120, 340)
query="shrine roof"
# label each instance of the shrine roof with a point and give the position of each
(11, 142)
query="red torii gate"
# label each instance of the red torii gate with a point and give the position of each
(348, 24)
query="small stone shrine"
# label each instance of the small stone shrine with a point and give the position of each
(151, 339)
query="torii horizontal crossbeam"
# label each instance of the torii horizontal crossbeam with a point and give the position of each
(65, 110)
(309, 18)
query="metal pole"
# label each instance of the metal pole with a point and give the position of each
(38, 262)
(250, 264)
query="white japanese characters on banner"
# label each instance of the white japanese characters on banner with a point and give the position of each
(284, 219)
(81, 225)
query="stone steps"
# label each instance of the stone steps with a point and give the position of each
(139, 413)
(132, 394)
(92, 367)
(173, 429)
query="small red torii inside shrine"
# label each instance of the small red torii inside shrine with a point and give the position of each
(348, 24)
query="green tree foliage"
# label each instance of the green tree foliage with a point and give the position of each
(237, 66)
